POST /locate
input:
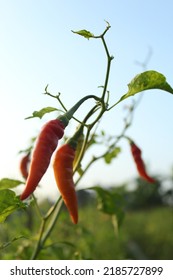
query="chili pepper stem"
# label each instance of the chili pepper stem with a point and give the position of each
(69, 114)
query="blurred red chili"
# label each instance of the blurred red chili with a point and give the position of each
(137, 156)
(24, 165)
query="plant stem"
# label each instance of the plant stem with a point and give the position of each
(52, 222)
(104, 105)
(38, 246)
(37, 207)
(109, 58)
(83, 148)
(52, 209)
(55, 210)
(66, 117)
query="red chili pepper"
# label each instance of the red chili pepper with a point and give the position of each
(136, 153)
(24, 165)
(45, 146)
(63, 171)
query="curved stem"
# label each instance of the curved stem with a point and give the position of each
(69, 114)
(52, 209)
(104, 32)
(83, 148)
(109, 58)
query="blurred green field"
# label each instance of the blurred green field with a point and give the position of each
(144, 234)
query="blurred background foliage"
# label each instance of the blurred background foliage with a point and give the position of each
(132, 221)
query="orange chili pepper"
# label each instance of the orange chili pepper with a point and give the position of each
(63, 171)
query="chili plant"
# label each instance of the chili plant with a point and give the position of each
(68, 158)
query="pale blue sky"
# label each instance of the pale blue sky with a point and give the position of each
(38, 48)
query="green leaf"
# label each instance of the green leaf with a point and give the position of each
(110, 202)
(113, 154)
(9, 202)
(42, 112)
(7, 183)
(145, 81)
(85, 33)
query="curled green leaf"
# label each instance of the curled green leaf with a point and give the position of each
(111, 155)
(85, 33)
(145, 81)
(42, 112)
